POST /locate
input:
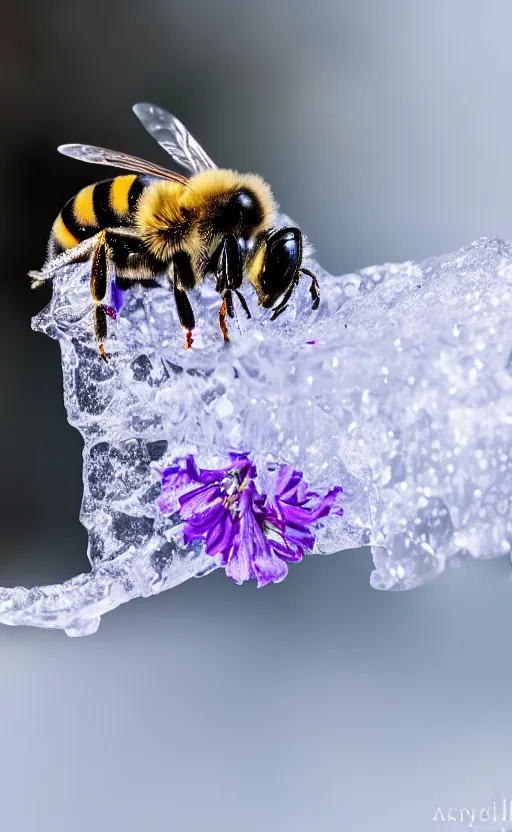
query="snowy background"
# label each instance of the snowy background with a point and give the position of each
(385, 129)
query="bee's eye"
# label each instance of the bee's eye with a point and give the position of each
(282, 260)
(243, 206)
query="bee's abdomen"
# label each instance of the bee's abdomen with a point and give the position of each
(108, 204)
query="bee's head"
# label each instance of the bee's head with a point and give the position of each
(275, 265)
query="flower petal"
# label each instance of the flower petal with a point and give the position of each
(199, 499)
(116, 296)
(238, 565)
(174, 477)
(201, 523)
(269, 568)
(168, 503)
(304, 515)
(242, 465)
(299, 536)
(284, 476)
(324, 504)
(191, 468)
(220, 536)
(254, 556)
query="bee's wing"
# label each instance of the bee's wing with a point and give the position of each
(102, 156)
(174, 137)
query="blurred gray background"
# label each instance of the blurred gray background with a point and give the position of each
(385, 129)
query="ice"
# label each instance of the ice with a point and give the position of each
(398, 388)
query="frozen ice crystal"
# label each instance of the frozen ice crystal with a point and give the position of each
(398, 388)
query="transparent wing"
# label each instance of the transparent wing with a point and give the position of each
(174, 137)
(102, 156)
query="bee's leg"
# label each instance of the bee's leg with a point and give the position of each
(76, 254)
(243, 302)
(226, 308)
(314, 291)
(284, 303)
(314, 288)
(228, 275)
(183, 279)
(229, 265)
(185, 313)
(280, 309)
(184, 276)
(100, 328)
(229, 278)
(113, 249)
(99, 290)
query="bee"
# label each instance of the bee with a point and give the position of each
(153, 221)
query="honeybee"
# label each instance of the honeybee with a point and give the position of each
(154, 221)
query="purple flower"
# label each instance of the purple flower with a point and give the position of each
(116, 296)
(254, 534)
(116, 299)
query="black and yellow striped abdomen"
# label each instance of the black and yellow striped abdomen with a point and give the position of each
(108, 204)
